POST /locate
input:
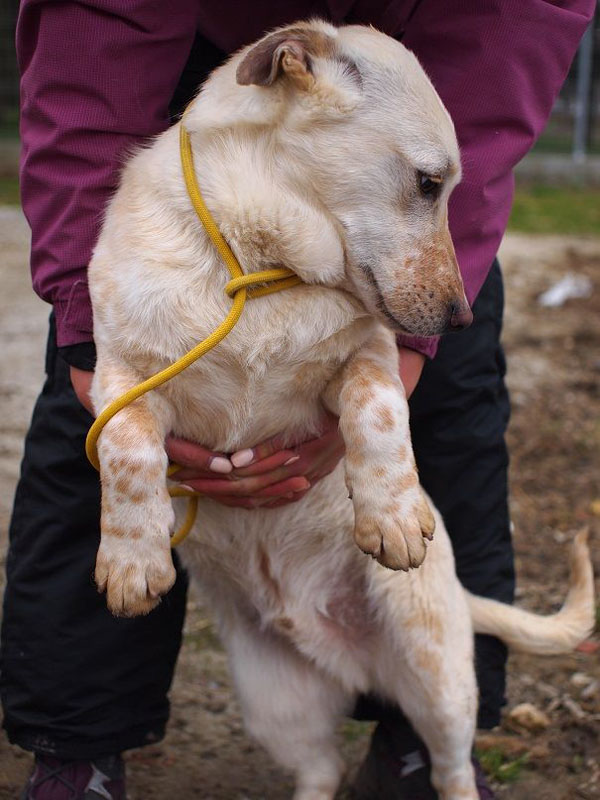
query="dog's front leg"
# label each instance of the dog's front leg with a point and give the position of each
(134, 563)
(391, 513)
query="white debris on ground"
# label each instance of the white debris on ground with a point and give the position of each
(571, 287)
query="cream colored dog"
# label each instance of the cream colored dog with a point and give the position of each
(327, 151)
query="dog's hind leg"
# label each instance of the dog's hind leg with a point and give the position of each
(289, 707)
(424, 664)
(447, 728)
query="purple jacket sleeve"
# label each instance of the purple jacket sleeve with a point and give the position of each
(97, 78)
(498, 66)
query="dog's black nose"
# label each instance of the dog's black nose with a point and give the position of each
(461, 316)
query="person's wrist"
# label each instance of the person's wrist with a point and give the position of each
(81, 381)
(411, 364)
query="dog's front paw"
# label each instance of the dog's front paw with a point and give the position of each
(394, 533)
(133, 577)
(134, 563)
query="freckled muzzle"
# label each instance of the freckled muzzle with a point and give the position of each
(426, 296)
(431, 317)
(429, 299)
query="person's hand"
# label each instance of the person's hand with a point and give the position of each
(266, 475)
(81, 380)
(411, 366)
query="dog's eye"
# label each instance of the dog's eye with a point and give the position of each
(429, 184)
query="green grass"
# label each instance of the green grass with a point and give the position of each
(353, 730)
(499, 767)
(9, 191)
(9, 124)
(549, 209)
(204, 638)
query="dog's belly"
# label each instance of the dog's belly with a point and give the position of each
(249, 414)
(260, 385)
(294, 573)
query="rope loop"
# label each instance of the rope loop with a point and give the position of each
(265, 282)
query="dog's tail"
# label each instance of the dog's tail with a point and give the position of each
(531, 633)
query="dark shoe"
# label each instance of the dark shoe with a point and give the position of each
(57, 779)
(483, 787)
(390, 772)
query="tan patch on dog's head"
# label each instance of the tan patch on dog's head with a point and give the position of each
(300, 57)
(285, 52)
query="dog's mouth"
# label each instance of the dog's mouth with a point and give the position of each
(379, 301)
(392, 321)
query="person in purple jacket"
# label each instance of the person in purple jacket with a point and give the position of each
(78, 686)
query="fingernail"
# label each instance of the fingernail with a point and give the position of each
(243, 458)
(189, 488)
(289, 495)
(220, 464)
(303, 488)
(291, 460)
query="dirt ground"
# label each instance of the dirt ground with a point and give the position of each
(554, 374)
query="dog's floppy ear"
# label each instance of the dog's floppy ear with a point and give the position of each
(288, 52)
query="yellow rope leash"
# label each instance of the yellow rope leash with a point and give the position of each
(240, 287)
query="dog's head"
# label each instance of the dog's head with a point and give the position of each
(356, 126)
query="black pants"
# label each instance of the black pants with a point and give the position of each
(79, 683)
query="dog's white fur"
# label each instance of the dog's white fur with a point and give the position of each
(310, 159)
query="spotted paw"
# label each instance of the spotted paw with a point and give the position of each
(134, 582)
(394, 534)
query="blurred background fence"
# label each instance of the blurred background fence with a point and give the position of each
(9, 83)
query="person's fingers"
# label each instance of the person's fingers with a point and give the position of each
(279, 459)
(314, 464)
(184, 474)
(272, 472)
(247, 487)
(251, 503)
(305, 457)
(320, 455)
(290, 486)
(192, 455)
(243, 458)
